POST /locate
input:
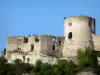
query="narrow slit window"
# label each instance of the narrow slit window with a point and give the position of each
(28, 60)
(53, 47)
(59, 43)
(18, 48)
(32, 47)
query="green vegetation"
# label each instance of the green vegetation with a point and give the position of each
(62, 67)
(87, 58)
(4, 52)
(16, 68)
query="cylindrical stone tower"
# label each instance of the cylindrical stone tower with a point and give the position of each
(78, 34)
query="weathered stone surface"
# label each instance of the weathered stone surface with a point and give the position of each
(33, 50)
(79, 32)
(81, 35)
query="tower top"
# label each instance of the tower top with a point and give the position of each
(83, 16)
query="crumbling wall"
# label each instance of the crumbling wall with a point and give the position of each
(96, 41)
(31, 48)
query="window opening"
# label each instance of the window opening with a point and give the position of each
(28, 60)
(70, 24)
(53, 39)
(53, 47)
(25, 40)
(70, 35)
(20, 40)
(59, 43)
(23, 58)
(32, 47)
(36, 39)
(18, 48)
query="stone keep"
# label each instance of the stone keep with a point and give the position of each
(78, 34)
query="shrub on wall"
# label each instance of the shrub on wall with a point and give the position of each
(87, 58)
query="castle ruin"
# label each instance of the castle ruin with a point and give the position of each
(79, 32)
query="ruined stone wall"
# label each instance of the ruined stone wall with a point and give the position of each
(22, 44)
(77, 34)
(96, 41)
(59, 46)
(32, 48)
(53, 45)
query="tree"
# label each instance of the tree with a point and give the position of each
(10, 69)
(3, 63)
(4, 52)
(45, 69)
(37, 66)
(65, 67)
(87, 58)
(91, 58)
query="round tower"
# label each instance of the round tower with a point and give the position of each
(78, 34)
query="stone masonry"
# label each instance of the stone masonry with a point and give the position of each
(79, 32)
(31, 48)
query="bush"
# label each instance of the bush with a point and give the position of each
(87, 58)
(4, 52)
(3, 66)
(37, 66)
